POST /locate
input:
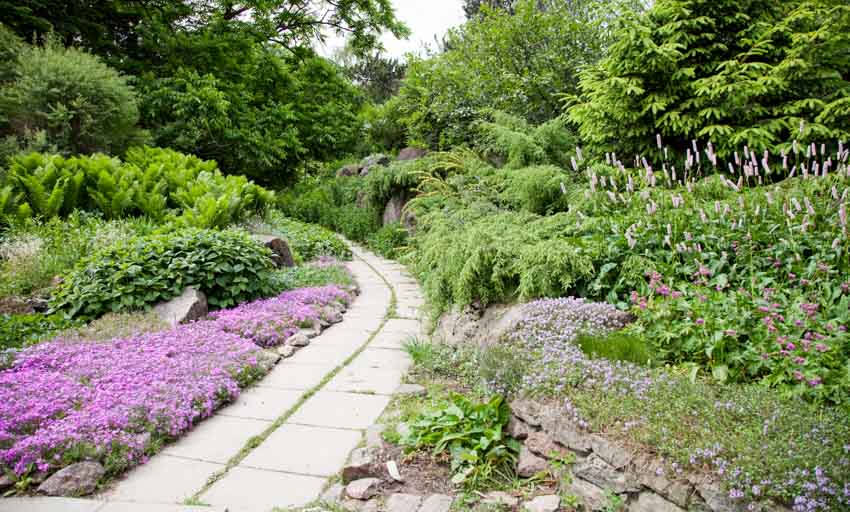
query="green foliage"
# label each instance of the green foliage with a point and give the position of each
(516, 63)
(33, 253)
(540, 189)
(10, 47)
(82, 104)
(732, 72)
(21, 330)
(519, 144)
(388, 241)
(472, 433)
(617, 346)
(160, 184)
(228, 266)
(309, 241)
(307, 276)
(383, 126)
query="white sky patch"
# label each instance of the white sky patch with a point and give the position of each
(426, 19)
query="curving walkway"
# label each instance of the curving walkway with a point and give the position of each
(281, 441)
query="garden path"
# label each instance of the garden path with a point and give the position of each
(281, 441)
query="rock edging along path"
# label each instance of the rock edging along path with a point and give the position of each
(279, 443)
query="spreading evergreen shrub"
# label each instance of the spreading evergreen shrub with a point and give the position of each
(228, 266)
(735, 72)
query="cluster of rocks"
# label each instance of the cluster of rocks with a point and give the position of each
(644, 482)
(330, 314)
(394, 209)
(79, 479)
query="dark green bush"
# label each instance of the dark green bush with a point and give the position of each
(81, 103)
(388, 240)
(228, 266)
(20, 330)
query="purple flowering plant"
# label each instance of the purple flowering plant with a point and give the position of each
(118, 401)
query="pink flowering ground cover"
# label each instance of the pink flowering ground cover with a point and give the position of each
(117, 402)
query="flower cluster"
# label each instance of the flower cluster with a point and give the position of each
(64, 400)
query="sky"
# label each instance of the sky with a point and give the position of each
(424, 18)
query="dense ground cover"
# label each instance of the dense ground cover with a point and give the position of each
(119, 401)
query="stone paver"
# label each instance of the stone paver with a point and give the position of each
(341, 410)
(255, 490)
(306, 450)
(262, 403)
(164, 479)
(217, 439)
(291, 467)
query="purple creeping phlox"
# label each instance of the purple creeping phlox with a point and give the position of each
(63, 401)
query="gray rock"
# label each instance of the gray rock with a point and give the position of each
(308, 333)
(652, 474)
(566, 432)
(437, 503)
(360, 465)
(499, 498)
(592, 497)
(715, 497)
(78, 479)
(411, 390)
(610, 452)
(411, 154)
(598, 472)
(375, 159)
(548, 503)
(400, 502)
(393, 211)
(349, 170)
(517, 428)
(651, 502)
(363, 489)
(286, 350)
(529, 464)
(266, 360)
(541, 444)
(331, 315)
(281, 254)
(333, 495)
(188, 306)
(374, 441)
(476, 324)
(298, 340)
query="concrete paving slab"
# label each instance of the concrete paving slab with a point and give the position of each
(295, 374)
(48, 505)
(315, 353)
(403, 325)
(317, 451)
(379, 358)
(114, 506)
(340, 410)
(391, 340)
(164, 479)
(356, 380)
(262, 403)
(256, 490)
(217, 439)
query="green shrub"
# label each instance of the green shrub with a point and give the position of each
(309, 241)
(21, 330)
(228, 266)
(160, 184)
(308, 276)
(541, 189)
(727, 71)
(388, 240)
(81, 103)
(519, 144)
(472, 434)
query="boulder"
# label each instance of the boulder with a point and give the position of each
(437, 503)
(600, 473)
(372, 161)
(529, 464)
(499, 498)
(715, 498)
(266, 360)
(286, 350)
(363, 489)
(393, 211)
(360, 465)
(78, 479)
(517, 428)
(566, 432)
(188, 306)
(411, 154)
(331, 315)
(478, 325)
(542, 445)
(590, 496)
(549, 503)
(612, 453)
(349, 170)
(297, 340)
(281, 255)
(651, 502)
(400, 502)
